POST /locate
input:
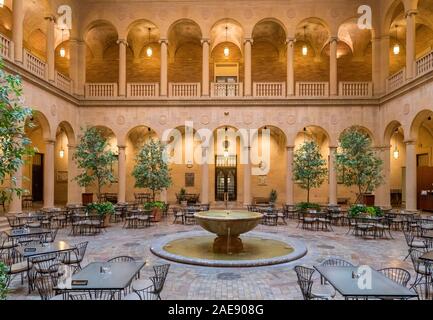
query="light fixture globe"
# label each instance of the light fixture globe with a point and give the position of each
(62, 52)
(149, 52)
(396, 49)
(62, 154)
(226, 52)
(304, 50)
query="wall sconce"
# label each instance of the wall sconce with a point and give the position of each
(189, 164)
(396, 153)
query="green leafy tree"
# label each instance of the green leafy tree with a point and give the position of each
(151, 170)
(95, 158)
(309, 168)
(4, 281)
(357, 162)
(15, 146)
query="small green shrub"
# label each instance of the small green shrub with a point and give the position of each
(102, 209)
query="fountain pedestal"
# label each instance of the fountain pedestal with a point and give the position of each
(228, 244)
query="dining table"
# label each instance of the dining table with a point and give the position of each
(348, 281)
(112, 277)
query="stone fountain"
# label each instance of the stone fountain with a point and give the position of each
(228, 226)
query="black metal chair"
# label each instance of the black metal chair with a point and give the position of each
(398, 275)
(305, 282)
(92, 295)
(122, 259)
(423, 270)
(75, 257)
(414, 242)
(147, 293)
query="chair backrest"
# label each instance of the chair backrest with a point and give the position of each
(409, 236)
(45, 286)
(336, 262)
(398, 275)
(161, 271)
(305, 283)
(158, 284)
(423, 291)
(81, 249)
(122, 259)
(147, 293)
(414, 256)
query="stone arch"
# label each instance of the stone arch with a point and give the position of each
(417, 122)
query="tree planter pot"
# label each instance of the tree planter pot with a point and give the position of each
(106, 220)
(157, 214)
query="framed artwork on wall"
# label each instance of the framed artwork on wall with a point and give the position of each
(62, 176)
(263, 181)
(189, 179)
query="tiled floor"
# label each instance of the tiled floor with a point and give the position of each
(274, 282)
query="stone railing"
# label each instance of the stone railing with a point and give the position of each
(102, 91)
(312, 89)
(269, 89)
(5, 47)
(184, 90)
(226, 90)
(142, 90)
(396, 80)
(356, 89)
(63, 82)
(34, 65)
(424, 64)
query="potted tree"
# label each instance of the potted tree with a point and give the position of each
(103, 209)
(95, 159)
(361, 166)
(182, 197)
(151, 171)
(309, 169)
(4, 281)
(15, 146)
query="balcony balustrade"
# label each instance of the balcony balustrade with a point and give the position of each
(269, 89)
(312, 89)
(356, 89)
(184, 90)
(101, 91)
(142, 90)
(226, 90)
(396, 80)
(6, 46)
(35, 65)
(424, 64)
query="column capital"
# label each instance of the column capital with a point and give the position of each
(248, 40)
(163, 41)
(290, 41)
(121, 147)
(122, 41)
(331, 147)
(205, 40)
(51, 18)
(333, 39)
(50, 141)
(410, 13)
(410, 142)
(290, 148)
(72, 146)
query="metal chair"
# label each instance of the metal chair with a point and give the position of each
(398, 275)
(92, 295)
(422, 269)
(76, 256)
(305, 283)
(414, 243)
(147, 293)
(122, 259)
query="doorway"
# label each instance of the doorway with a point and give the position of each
(38, 177)
(226, 178)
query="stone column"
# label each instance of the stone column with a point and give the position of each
(247, 79)
(333, 78)
(384, 61)
(411, 173)
(290, 67)
(16, 204)
(205, 177)
(289, 176)
(122, 67)
(77, 65)
(205, 67)
(49, 174)
(164, 67)
(163, 196)
(378, 86)
(410, 43)
(17, 29)
(50, 47)
(122, 174)
(247, 179)
(332, 176)
(382, 193)
(74, 190)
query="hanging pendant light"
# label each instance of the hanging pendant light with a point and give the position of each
(396, 153)
(62, 150)
(62, 51)
(396, 48)
(226, 49)
(149, 51)
(226, 146)
(304, 47)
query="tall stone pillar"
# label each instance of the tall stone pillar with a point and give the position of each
(332, 176)
(247, 179)
(50, 48)
(384, 62)
(16, 204)
(411, 176)
(122, 174)
(247, 66)
(49, 174)
(289, 176)
(205, 177)
(205, 67)
(17, 29)
(290, 67)
(410, 43)
(74, 190)
(333, 78)
(122, 67)
(164, 67)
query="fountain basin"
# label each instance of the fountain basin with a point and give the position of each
(228, 226)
